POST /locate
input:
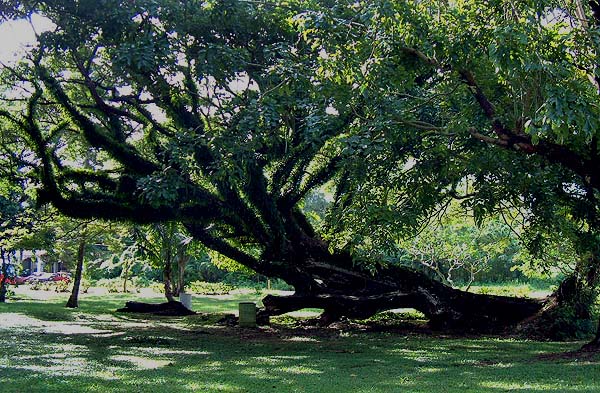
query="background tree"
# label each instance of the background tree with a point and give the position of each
(74, 237)
(10, 233)
(167, 247)
(458, 252)
(17, 215)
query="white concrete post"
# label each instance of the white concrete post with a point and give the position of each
(186, 300)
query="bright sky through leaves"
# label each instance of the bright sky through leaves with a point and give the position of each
(17, 36)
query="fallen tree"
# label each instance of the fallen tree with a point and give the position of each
(392, 288)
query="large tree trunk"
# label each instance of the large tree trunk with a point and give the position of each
(73, 301)
(343, 292)
(343, 288)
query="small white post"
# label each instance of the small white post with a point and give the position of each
(186, 300)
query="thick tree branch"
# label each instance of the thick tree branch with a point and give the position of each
(223, 247)
(121, 151)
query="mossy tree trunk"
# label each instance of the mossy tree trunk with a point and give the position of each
(344, 292)
(168, 275)
(73, 301)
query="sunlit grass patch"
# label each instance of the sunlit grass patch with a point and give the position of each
(94, 349)
(141, 363)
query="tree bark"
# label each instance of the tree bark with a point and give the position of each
(3, 288)
(73, 301)
(125, 274)
(341, 289)
(168, 278)
(182, 261)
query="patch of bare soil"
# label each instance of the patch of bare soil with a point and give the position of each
(582, 354)
(311, 330)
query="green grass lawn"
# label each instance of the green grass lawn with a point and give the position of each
(47, 348)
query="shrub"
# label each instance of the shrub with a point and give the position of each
(570, 315)
(504, 290)
(62, 286)
(564, 323)
(9, 293)
(115, 285)
(41, 285)
(84, 286)
(35, 285)
(157, 287)
(141, 282)
(209, 288)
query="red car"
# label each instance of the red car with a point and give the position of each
(9, 280)
(20, 280)
(40, 277)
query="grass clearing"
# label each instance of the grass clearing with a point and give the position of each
(47, 348)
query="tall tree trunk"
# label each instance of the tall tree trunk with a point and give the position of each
(182, 261)
(125, 274)
(3, 288)
(73, 301)
(168, 277)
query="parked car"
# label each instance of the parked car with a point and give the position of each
(20, 280)
(61, 276)
(40, 277)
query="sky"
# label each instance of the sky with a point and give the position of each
(17, 36)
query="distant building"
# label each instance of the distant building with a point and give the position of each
(33, 261)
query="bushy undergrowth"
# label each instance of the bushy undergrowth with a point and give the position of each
(9, 292)
(157, 287)
(59, 286)
(62, 286)
(209, 288)
(115, 285)
(392, 317)
(84, 285)
(504, 290)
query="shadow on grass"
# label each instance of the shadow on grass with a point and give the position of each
(123, 354)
